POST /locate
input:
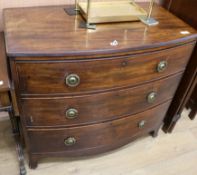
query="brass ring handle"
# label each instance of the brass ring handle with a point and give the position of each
(151, 97)
(71, 113)
(70, 141)
(162, 66)
(142, 123)
(72, 80)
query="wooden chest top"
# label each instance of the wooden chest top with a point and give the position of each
(49, 31)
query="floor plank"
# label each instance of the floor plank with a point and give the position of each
(182, 165)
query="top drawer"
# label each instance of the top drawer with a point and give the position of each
(61, 77)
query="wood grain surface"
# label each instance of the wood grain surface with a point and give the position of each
(4, 79)
(98, 75)
(50, 31)
(96, 108)
(96, 137)
(185, 10)
(45, 45)
(172, 154)
(26, 3)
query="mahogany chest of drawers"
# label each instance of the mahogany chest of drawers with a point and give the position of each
(79, 94)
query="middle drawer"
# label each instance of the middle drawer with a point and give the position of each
(93, 108)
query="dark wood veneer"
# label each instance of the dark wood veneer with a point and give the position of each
(46, 77)
(98, 107)
(44, 45)
(98, 135)
(8, 104)
(3, 68)
(38, 35)
(192, 102)
(187, 91)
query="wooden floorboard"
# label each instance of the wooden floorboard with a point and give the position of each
(168, 154)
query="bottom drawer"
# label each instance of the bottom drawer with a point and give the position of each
(98, 137)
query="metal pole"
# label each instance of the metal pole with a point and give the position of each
(150, 9)
(76, 5)
(148, 20)
(88, 10)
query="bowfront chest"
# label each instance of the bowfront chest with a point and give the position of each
(83, 92)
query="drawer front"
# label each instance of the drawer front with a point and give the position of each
(44, 77)
(96, 136)
(86, 109)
